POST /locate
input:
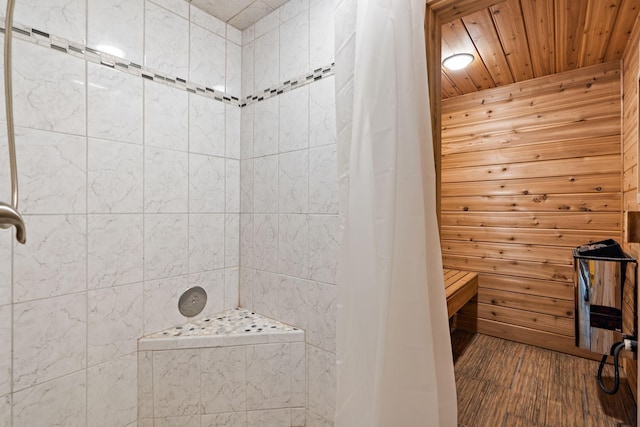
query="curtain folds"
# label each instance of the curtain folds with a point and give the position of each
(394, 363)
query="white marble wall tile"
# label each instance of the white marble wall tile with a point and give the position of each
(232, 193)
(266, 60)
(206, 126)
(246, 132)
(246, 240)
(315, 420)
(232, 240)
(186, 421)
(176, 383)
(223, 379)
(114, 104)
(294, 46)
(264, 294)
(268, 376)
(234, 69)
(246, 185)
(245, 288)
(145, 384)
(298, 417)
(323, 180)
(234, 35)
(55, 260)
(115, 177)
(213, 282)
(114, 322)
(5, 411)
(166, 117)
(48, 89)
(61, 402)
(265, 251)
(248, 34)
(294, 301)
(53, 169)
(5, 267)
(180, 8)
(232, 419)
(270, 418)
(294, 119)
(298, 377)
(206, 183)
(166, 41)
(56, 342)
(232, 136)
(5, 350)
(324, 247)
(111, 392)
(247, 69)
(166, 181)
(265, 184)
(322, 382)
(322, 112)
(265, 126)
(161, 303)
(116, 27)
(207, 58)
(231, 288)
(321, 327)
(266, 24)
(292, 8)
(166, 242)
(207, 21)
(114, 250)
(293, 182)
(322, 34)
(64, 18)
(293, 248)
(206, 242)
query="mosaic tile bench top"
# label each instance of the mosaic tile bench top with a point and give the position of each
(229, 328)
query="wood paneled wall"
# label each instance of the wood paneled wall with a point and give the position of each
(630, 75)
(529, 171)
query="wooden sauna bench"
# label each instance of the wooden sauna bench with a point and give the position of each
(459, 287)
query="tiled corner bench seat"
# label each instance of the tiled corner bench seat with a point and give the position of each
(233, 369)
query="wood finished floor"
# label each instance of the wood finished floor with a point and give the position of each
(506, 384)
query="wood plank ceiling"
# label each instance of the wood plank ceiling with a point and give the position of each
(517, 40)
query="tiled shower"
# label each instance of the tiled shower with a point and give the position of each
(160, 148)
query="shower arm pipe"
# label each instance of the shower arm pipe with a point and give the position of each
(8, 89)
(9, 215)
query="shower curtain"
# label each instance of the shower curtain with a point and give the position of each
(394, 363)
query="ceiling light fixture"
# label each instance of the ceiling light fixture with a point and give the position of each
(457, 61)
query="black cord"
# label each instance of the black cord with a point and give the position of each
(615, 352)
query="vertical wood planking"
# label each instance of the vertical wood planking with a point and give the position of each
(508, 20)
(601, 14)
(480, 28)
(622, 29)
(539, 21)
(569, 23)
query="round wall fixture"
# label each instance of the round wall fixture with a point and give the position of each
(457, 61)
(192, 301)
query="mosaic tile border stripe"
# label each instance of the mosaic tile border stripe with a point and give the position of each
(300, 81)
(95, 56)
